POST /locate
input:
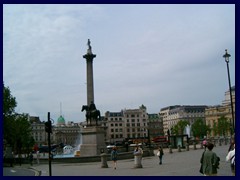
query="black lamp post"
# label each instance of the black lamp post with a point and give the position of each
(226, 56)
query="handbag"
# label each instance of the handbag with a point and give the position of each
(158, 153)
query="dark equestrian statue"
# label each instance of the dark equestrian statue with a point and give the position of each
(91, 115)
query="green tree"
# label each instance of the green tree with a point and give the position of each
(200, 129)
(23, 129)
(16, 127)
(181, 126)
(9, 104)
(178, 128)
(174, 130)
(215, 128)
(223, 126)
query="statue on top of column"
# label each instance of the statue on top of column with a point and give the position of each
(89, 51)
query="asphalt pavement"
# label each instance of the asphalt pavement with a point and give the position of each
(184, 163)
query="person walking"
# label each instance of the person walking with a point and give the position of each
(210, 161)
(114, 155)
(160, 154)
(38, 156)
(231, 158)
(31, 158)
(204, 143)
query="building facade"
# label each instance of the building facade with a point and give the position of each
(171, 115)
(155, 125)
(213, 113)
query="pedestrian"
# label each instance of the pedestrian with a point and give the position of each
(31, 158)
(160, 154)
(38, 156)
(231, 158)
(114, 155)
(209, 161)
(138, 151)
(20, 159)
(232, 145)
(204, 143)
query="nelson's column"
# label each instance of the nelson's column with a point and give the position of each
(92, 135)
(89, 60)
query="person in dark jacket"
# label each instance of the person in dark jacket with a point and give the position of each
(31, 158)
(160, 154)
(114, 155)
(210, 161)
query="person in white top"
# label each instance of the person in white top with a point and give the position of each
(231, 158)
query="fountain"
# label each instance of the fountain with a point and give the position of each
(69, 151)
(78, 145)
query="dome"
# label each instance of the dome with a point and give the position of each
(61, 120)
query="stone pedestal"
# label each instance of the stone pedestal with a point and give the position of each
(179, 148)
(138, 161)
(104, 160)
(194, 145)
(92, 141)
(187, 147)
(170, 149)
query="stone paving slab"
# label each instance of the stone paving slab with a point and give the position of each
(185, 163)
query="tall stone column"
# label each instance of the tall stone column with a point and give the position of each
(89, 60)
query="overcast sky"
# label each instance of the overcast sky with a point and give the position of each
(155, 55)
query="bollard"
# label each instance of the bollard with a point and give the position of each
(138, 160)
(179, 148)
(194, 146)
(170, 149)
(187, 146)
(104, 160)
(220, 142)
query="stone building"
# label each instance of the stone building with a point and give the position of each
(171, 115)
(128, 123)
(213, 113)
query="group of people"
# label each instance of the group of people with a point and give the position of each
(114, 154)
(210, 161)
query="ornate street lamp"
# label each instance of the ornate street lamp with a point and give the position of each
(227, 56)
